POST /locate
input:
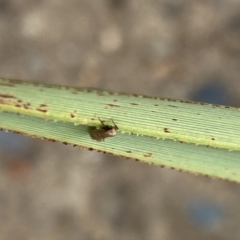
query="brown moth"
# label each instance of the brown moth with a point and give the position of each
(99, 134)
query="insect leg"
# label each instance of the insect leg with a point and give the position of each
(102, 122)
(115, 124)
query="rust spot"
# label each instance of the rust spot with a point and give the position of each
(43, 105)
(156, 105)
(147, 155)
(18, 105)
(174, 119)
(90, 149)
(41, 110)
(153, 111)
(65, 143)
(112, 105)
(7, 96)
(25, 106)
(213, 138)
(166, 130)
(184, 101)
(19, 101)
(128, 151)
(72, 115)
(134, 103)
(115, 100)
(172, 106)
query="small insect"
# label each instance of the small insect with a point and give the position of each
(99, 134)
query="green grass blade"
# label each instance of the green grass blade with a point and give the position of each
(219, 163)
(198, 123)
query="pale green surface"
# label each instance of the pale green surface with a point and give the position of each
(188, 157)
(206, 124)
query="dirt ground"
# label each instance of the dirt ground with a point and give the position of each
(173, 48)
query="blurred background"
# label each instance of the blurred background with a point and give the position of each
(174, 48)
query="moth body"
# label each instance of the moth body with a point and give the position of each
(99, 134)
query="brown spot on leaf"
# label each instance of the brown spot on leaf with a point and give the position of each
(172, 106)
(147, 155)
(41, 110)
(128, 151)
(112, 105)
(166, 130)
(134, 104)
(213, 138)
(18, 105)
(7, 96)
(72, 115)
(43, 105)
(174, 119)
(25, 106)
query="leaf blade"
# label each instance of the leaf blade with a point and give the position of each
(218, 163)
(198, 123)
